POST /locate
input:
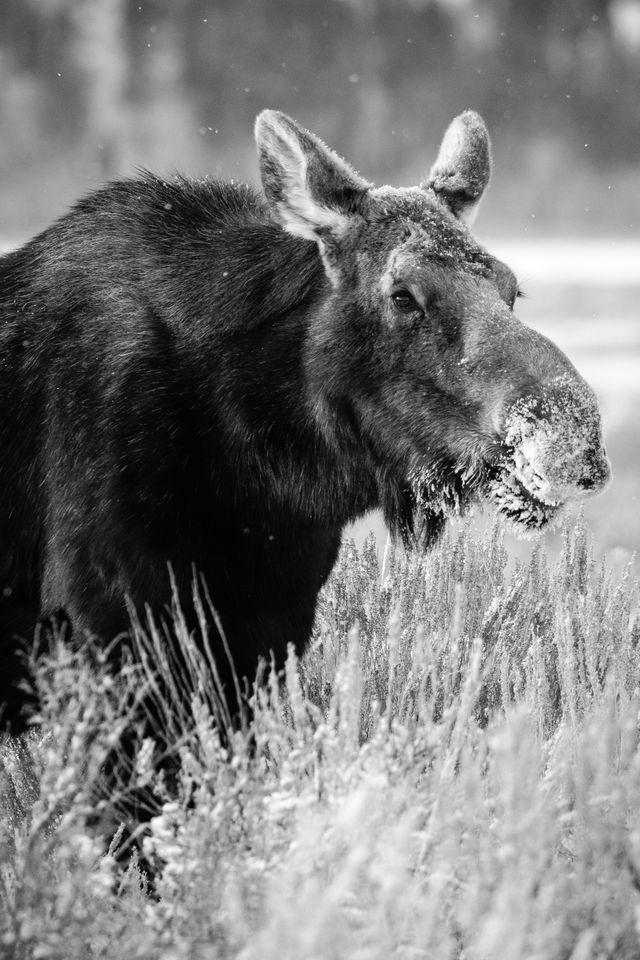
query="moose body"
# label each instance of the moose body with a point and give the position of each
(200, 378)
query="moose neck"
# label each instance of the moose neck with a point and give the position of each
(256, 410)
(268, 424)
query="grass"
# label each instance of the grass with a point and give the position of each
(452, 771)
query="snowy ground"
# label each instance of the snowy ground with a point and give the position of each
(586, 297)
(600, 263)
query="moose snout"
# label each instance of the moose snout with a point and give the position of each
(596, 472)
(569, 473)
(555, 443)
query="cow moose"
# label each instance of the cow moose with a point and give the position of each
(197, 376)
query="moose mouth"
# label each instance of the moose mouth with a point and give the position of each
(509, 483)
(515, 500)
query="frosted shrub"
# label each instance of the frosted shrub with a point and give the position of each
(450, 772)
(58, 876)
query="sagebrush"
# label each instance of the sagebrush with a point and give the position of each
(450, 772)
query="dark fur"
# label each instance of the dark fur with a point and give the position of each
(151, 413)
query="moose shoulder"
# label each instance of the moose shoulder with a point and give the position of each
(196, 374)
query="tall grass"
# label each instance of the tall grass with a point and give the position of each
(451, 771)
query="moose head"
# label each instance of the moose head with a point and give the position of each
(416, 345)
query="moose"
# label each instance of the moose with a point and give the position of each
(199, 377)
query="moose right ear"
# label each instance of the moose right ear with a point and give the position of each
(462, 169)
(312, 192)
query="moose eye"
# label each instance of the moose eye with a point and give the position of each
(404, 302)
(516, 296)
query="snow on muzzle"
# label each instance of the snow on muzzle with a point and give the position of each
(553, 453)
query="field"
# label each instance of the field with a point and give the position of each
(452, 770)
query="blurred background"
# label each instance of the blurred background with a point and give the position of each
(91, 89)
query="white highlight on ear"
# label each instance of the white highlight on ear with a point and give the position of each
(452, 147)
(299, 212)
(462, 169)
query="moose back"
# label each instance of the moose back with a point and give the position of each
(200, 375)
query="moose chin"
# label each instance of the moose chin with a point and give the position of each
(207, 377)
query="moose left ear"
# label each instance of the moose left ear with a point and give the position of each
(462, 170)
(312, 192)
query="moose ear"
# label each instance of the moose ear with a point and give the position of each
(311, 190)
(461, 172)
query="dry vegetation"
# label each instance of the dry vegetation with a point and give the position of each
(451, 772)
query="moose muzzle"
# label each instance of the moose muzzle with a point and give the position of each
(553, 452)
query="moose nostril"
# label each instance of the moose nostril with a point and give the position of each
(586, 483)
